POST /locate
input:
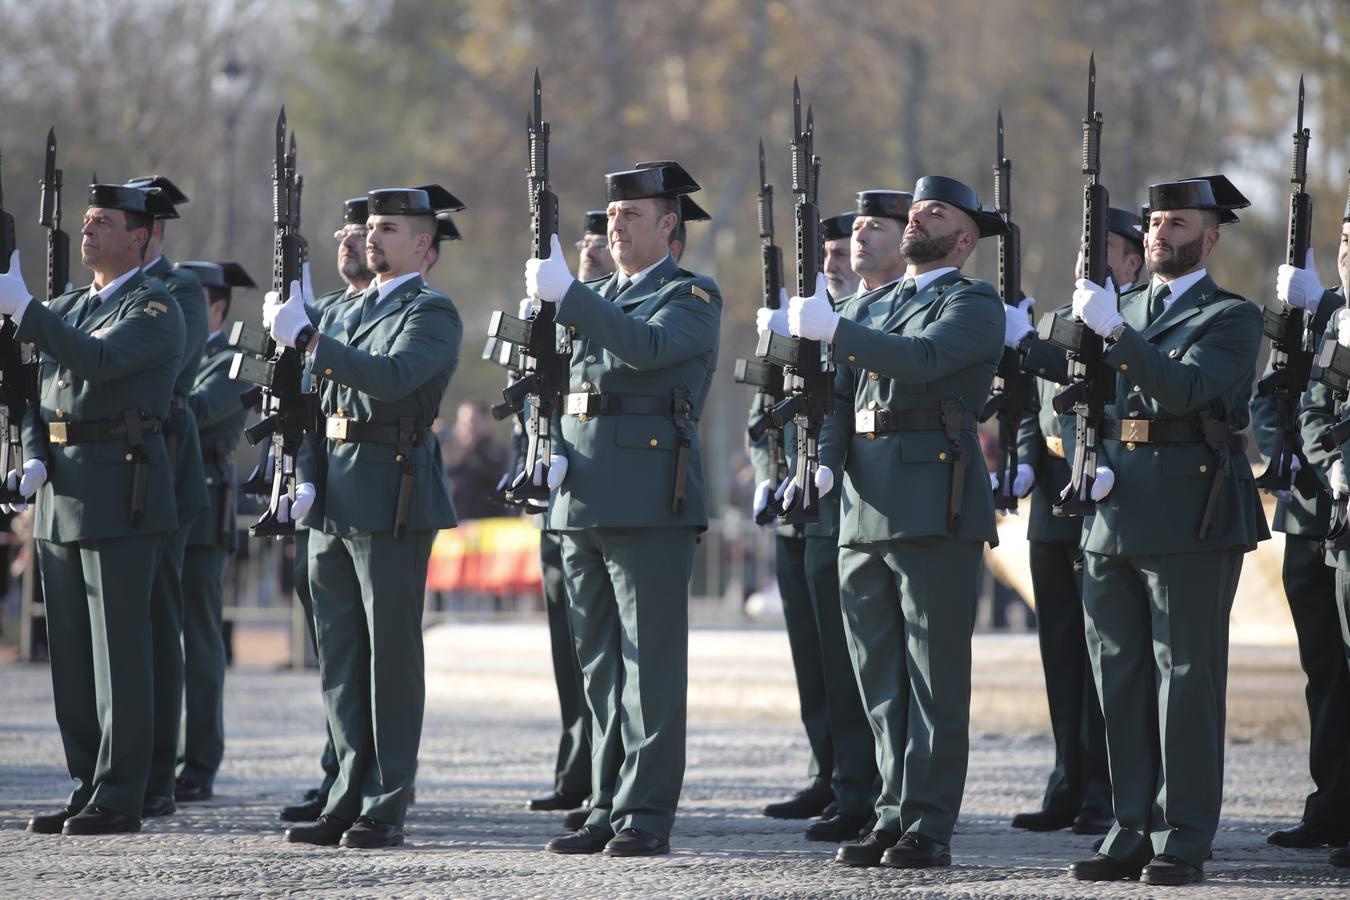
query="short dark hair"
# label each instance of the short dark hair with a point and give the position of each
(671, 205)
(219, 295)
(1210, 217)
(137, 220)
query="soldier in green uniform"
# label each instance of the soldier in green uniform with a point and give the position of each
(837, 263)
(1078, 793)
(630, 500)
(842, 765)
(915, 363)
(181, 439)
(374, 494)
(95, 457)
(572, 768)
(1176, 509)
(214, 403)
(1320, 412)
(356, 277)
(1304, 515)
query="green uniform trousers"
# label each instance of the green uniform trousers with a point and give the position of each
(98, 627)
(843, 753)
(368, 591)
(1343, 608)
(1157, 631)
(1080, 781)
(1317, 607)
(628, 595)
(909, 608)
(328, 759)
(572, 771)
(203, 735)
(166, 626)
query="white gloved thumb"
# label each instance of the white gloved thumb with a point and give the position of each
(306, 284)
(824, 480)
(304, 499)
(554, 247)
(761, 501)
(1103, 480)
(1308, 262)
(822, 287)
(557, 465)
(14, 270)
(34, 477)
(1025, 305)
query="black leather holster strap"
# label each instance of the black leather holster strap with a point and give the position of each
(584, 406)
(355, 431)
(680, 413)
(63, 433)
(226, 523)
(1217, 437)
(140, 464)
(879, 421)
(954, 421)
(408, 430)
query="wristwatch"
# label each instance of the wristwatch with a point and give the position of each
(1116, 332)
(1024, 345)
(304, 337)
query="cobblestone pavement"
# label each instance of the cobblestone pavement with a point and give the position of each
(488, 746)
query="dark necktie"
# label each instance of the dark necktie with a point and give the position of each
(368, 304)
(618, 286)
(91, 303)
(1155, 302)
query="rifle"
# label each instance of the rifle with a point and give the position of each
(1092, 386)
(808, 379)
(1291, 351)
(1012, 389)
(18, 376)
(58, 242)
(1334, 363)
(763, 375)
(544, 366)
(289, 410)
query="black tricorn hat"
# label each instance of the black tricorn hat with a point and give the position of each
(691, 211)
(1126, 224)
(445, 228)
(426, 200)
(167, 187)
(884, 204)
(1206, 192)
(597, 222)
(119, 196)
(954, 193)
(355, 211)
(663, 179)
(837, 227)
(218, 275)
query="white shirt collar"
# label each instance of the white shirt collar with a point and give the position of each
(385, 288)
(212, 336)
(927, 278)
(863, 289)
(1179, 285)
(638, 276)
(113, 286)
(152, 263)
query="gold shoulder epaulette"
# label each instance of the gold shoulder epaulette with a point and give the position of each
(700, 293)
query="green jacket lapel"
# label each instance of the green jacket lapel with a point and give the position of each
(389, 305)
(1186, 306)
(920, 301)
(110, 305)
(652, 282)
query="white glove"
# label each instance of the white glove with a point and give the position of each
(557, 471)
(775, 320)
(34, 477)
(304, 499)
(290, 318)
(1288, 496)
(813, 318)
(1299, 287)
(527, 306)
(788, 489)
(1102, 482)
(1343, 329)
(271, 303)
(762, 492)
(14, 294)
(1022, 481)
(548, 279)
(1097, 305)
(1340, 485)
(1017, 322)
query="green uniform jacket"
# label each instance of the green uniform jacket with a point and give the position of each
(1053, 472)
(220, 420)
(944, 343)
(1200, 354)
(124, 356)
(324, 302)
(659, 335)
(395, 364)
(1319, 410)
(1302, 515)
(189, 480)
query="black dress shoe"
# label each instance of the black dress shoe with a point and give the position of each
(1168, 869)
(368, 834)
(1104, 868)
(185, 791)
(1097, 844)
(917, 851)
(1306, 835)
(636, 842)
(586, 839)
(1042, 820)
(156, 806)
(868, 851)
(326, 832)
(1093, 821)
(838, 828)
(556, 801)
(574, 820)
(100, 820)
(831, 810)
(1340, 857)
(805, 804)
(304, 812)
(50, 823)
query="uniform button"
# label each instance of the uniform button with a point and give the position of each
(128, 457)
(59, 414)
(1204, 469)
(1040, 372)
(873, 375)
(591, 359)
(1124, 367)
(1173, 353)
(582, 417)
(942, 454)
(398, 457)
(653, 442)
(585, 385)
(210, 482)
(852, 358)
(60, 384)
(341, 412)
(871, 404)
(328, 371)
(1129, 445)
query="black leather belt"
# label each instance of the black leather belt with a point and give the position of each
(355, 431)
(1161, 431)
(63, 433)
(877, 421)
(583, 406)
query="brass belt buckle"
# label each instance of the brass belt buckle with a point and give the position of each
(579, 405)
(865, 421)
(336, 428)
(56, 433)
(1134, 430)
(1055, 445)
